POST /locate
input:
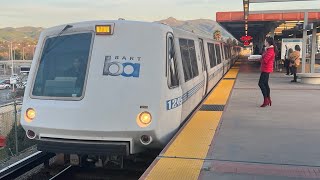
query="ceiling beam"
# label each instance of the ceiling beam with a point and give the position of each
(266, 1)
(284, 11)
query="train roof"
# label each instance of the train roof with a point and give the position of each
(143, 23)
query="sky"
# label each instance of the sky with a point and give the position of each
(47, 13)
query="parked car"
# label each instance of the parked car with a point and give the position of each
(5, 86)
(6, 81)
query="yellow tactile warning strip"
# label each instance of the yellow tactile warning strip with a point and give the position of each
(194, 140)
(221, 93)
(232, 73)
(174, 168)
(185, 154)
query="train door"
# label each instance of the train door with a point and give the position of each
(174, 95)
(204, 66)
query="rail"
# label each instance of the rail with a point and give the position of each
(21, 167)
(61, 173)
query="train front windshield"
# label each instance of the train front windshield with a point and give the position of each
(63, 66)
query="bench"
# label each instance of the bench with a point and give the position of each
(309, 78)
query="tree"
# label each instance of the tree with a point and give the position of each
(17, 54)
(234, 42)
(229, 41)
(217, 35)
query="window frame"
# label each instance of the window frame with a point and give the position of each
(168, 64)
(86, 75)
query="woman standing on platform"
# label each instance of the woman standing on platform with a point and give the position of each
(287, 62)
(295, 61)
(267, 68)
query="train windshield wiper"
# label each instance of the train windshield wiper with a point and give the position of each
(53, 43)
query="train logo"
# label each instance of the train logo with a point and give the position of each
(125, 69)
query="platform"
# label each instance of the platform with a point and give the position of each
(240, 140)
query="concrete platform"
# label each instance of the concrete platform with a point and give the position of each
(277, 142)
(242, 141)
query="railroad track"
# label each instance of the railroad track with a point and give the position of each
(80, 173)
(62, 173)
(23, 166)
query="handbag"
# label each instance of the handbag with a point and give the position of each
(291, 61)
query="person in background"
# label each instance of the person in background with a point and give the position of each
(256, 50)
(295, 61)
(267, 62)
(263, 49)
(287, 62)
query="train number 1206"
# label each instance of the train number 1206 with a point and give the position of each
(173, 103)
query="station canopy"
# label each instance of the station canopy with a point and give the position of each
(260, 23)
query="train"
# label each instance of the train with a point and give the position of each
(118, 87)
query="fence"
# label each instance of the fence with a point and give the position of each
(12, 131)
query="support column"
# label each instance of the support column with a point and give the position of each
(272, 32)
(314, 47)
(304, 43)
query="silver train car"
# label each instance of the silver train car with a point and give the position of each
(117, 87)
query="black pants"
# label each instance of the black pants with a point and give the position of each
(287, 66)
(294, 71)
(264, 84)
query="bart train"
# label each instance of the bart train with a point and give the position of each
(117, 87)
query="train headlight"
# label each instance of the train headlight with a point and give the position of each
(144, 119)
(30, 114)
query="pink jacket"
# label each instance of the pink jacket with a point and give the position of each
(268, 60)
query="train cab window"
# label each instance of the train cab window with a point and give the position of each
(218, 52)
(212, 55)
(173, 80)
(189, 59)
(63, 66)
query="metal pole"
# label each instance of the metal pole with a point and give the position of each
(23, 53)
(15, 124)
(314, 47)
(304, 43)
(33, 49)
(11, 58)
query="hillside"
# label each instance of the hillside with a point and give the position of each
(21, 34)
(203, 26)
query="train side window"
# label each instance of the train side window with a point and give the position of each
(189, 59)
(193, 58)
(218, 52)
(185, 59)
(212, 55)
(227, 52)
(173, 80)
